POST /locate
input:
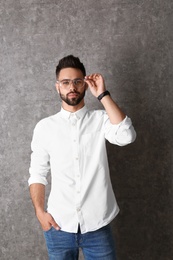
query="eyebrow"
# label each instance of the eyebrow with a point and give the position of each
(70, 79)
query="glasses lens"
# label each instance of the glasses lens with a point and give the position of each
(78, 83)
(65, 83)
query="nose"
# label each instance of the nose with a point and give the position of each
(72, 86)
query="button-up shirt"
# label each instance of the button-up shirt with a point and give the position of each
(73, 147)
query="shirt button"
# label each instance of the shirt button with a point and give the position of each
(77, 158)
(78, 209)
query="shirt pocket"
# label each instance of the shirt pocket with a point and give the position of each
(90, 143)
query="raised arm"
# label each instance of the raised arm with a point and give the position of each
(97, 87)
(121, 131)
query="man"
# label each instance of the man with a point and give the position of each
(71, 144)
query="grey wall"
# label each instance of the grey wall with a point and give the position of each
(130, 43)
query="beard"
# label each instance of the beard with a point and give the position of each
(72, 101)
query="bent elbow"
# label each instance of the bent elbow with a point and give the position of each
(127, 136)
(131, 134)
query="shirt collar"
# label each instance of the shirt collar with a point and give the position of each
(78, 114)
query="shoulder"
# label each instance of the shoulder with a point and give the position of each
(96, 116)
(46, 122)
(96, 113)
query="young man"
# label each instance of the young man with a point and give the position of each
(71, 144)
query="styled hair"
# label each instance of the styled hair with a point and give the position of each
(70, 62)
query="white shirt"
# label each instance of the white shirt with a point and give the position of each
(72, 146)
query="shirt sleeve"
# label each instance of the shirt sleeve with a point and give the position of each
(40, 161)
(120, 134)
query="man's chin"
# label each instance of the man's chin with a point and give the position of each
(72, 101)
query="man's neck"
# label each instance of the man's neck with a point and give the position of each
(72, 109)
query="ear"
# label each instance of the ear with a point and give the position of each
(57, 87)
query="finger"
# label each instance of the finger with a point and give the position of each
(95, 75)
(91, 84)
(89, 81)
(91, 76)
(54, 224)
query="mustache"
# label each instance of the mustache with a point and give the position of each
(72, 92)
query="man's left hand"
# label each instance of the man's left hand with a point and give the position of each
(95, 83)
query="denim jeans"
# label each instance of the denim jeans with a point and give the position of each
(97, 244)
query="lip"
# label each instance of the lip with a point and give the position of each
(72, 95)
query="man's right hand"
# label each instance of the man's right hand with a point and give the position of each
(46, 221)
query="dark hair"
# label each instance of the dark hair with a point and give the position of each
(70, 62)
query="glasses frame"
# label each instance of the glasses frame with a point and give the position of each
(71, 81)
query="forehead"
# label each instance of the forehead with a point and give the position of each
(70, 73)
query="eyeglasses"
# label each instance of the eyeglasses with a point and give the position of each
(66, 83)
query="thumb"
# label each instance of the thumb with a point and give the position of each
(54, 224)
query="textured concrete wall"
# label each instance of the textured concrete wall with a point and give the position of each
(130, 43)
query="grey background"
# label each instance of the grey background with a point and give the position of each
(130, 43)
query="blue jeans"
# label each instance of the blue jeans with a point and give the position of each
(97, 244)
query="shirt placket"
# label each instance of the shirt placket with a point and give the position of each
(75, 144)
